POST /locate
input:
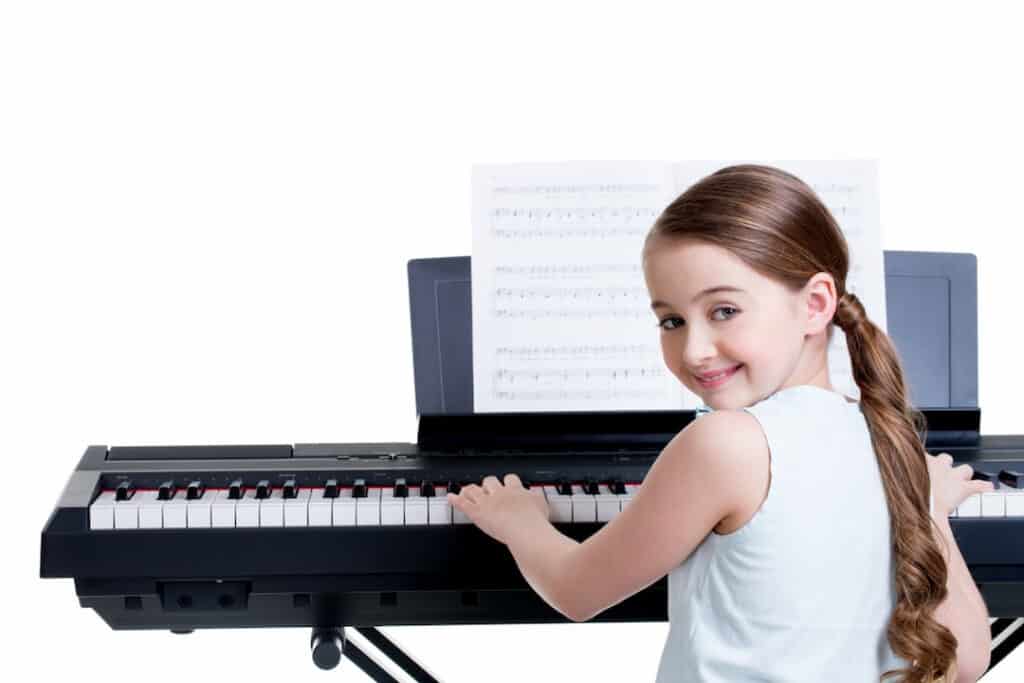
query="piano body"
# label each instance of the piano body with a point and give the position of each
(325, 536)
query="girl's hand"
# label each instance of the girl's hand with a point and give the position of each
(950, 485)
(501, 511)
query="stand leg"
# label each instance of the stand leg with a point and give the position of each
(406, 663)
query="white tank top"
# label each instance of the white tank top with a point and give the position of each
(803, 591)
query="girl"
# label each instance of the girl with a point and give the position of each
(794, 523)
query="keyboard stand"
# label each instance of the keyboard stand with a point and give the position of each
(329, 644)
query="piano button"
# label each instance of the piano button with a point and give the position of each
(247, 510)
(331, 488)
(296, 510)
(584, 505)
(166, 491)
(1011, 478)
(101, 512)
(343, 509)
(368, 507)
(263, 490)
(427, 489)
(415, 507)
(320, 505)
(272, 509)
(439, 510)
(392, 507)
(124, 491)
(401, 489)
(359, 489)
(222, 510)
(290, 490)
(151, 510)
(198, 512)
(195, 490)
(236, 490)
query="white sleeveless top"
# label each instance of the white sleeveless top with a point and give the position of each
(803, 591)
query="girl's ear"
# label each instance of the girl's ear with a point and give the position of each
(820, 301)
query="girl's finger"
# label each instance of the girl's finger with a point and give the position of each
(964, 471)
(491, 483)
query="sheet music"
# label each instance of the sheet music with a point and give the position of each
(561, 314)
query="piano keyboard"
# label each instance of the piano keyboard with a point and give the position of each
(194, 506)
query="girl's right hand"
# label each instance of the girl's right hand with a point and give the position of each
(950, 485)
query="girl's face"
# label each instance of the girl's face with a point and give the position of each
(775, 337)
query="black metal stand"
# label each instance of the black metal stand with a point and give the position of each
(1010, 633)
(329, 644)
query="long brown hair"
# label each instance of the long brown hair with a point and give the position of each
(780, 228)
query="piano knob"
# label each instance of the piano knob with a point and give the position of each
(327, 645)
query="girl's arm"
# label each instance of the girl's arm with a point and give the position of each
(963, 611)
(701, 477)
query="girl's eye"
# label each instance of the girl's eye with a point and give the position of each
(661, 323)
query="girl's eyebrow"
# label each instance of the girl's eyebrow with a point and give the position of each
(710, 290)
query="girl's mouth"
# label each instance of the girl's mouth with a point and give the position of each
(720, 380)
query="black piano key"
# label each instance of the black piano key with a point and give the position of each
(359, 489)
(1011, 478)
(331, 488)
(236, 490)
(981, 475)
(125, 491)
(591, 488)
(563, 487)
(195, 491)
(263, 489)
(618, 487)
(290, 489)
(454, 487)
(525, 482)
(427, 489)
(166, 491)
(401, 489)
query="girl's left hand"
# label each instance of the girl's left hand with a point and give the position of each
(501, 510)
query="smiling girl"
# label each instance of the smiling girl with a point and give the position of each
(805, 534)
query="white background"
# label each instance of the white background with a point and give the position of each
(207, 209)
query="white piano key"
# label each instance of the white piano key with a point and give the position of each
(272, 509)
(101, 512)
(584, 505)
(247, 510)
(1014, 503)
(416, 507)
(198, 512)
(296, 510)
(126, 512)
(392, 510)
(176, 511)
(439, 510)
(222, 510)
(151, 510)
(993, 504)
(368, 509)
(970, 507)
(608, 504)
(319, 507)
(560, 506)
(344, 509)
(631, 490)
